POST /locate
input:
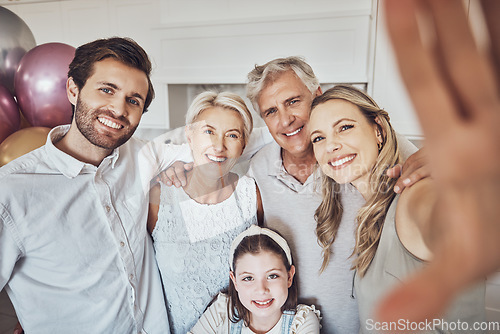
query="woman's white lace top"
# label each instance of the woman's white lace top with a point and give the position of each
(192, 242)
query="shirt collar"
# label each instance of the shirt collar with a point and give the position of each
(65, 163)
(277, 169)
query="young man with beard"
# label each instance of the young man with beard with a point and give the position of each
(74, 251)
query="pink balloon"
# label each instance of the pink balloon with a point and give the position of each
(40, 84)
(10, 119)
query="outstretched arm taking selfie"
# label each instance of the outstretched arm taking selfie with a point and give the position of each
(454, 86)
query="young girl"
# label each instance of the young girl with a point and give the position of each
(262, 295)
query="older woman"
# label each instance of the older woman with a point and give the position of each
(354, 143)
(192, 227)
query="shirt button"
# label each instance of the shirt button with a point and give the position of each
(108, 208)
(131, 276)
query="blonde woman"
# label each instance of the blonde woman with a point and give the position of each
(193, 226)
(354, 143)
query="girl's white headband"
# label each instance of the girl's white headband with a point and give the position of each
(256, 230)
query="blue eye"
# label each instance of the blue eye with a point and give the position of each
(106, 90)
(208, 132)
(134, 102)
(294, 101)
(270, 112)
(317, 139)
(346, 127)
(247, 278)
(232, 135)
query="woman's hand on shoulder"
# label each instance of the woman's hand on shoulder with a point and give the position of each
(414, 169)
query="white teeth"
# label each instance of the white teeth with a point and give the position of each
(342, 161)
(293, 133)
(109, 123)
(216, 159)
(263, 303)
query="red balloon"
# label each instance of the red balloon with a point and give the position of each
(9, 114)
(40, 85)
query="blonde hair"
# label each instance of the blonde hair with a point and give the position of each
(227, 100)
(371, 216)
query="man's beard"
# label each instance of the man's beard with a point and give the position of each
(85, 118)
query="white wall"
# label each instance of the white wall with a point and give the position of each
(387, 87)
(219, 41)
(216, 41)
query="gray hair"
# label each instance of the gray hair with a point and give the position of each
(227, 100)
(261, 75)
